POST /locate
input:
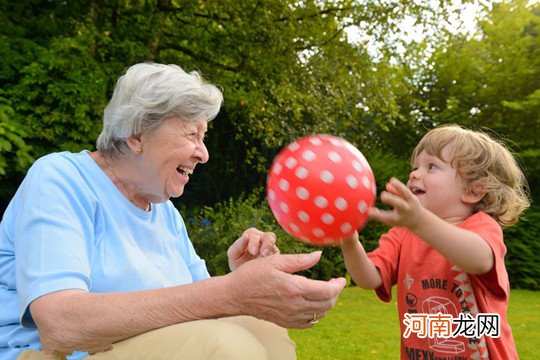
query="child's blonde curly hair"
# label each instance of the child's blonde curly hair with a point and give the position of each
(485, 165)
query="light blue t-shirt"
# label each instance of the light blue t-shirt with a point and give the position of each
(69, 227)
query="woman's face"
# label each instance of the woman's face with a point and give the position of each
(169, 156)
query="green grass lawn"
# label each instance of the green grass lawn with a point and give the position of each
(363, 327)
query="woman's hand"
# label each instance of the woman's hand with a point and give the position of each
(268, 289)
(251, 245)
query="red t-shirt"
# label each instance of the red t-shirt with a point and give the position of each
(428, 285)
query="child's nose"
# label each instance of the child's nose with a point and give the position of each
(415, 174)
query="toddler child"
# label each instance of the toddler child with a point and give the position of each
(445, 250)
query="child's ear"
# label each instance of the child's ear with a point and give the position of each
(473, 194)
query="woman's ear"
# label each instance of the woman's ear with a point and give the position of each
(473, 193)
(135, 143)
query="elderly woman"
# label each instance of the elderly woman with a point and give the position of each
(95, 260)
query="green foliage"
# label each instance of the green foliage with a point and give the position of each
(491, 81)
(287, 70)
(523, 251)
(213, 229)
(13, 149)
(70, 92)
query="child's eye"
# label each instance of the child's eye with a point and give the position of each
(431, 166)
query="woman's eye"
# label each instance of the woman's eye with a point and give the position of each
(198, 137)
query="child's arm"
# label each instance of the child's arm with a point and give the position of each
(361, 269)
(460, 246)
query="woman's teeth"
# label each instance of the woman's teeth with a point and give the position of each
(184, 170)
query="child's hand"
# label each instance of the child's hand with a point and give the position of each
(406, 207)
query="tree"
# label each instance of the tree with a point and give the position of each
(492, 82)
(286, 68)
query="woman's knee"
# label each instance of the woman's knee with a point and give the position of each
(232, 341)
(203, 339)
(274, 338)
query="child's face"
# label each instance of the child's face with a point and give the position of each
(438, 186)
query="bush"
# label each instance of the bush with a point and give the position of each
(523, 249)
(214, 229)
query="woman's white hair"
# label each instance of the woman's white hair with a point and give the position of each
(149, 93)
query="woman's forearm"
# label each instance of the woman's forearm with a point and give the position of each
(265, 288)
(76, 320)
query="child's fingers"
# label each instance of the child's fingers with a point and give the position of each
(391, 188)
(387, 217)
(394, 200)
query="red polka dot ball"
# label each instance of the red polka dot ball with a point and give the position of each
(319, 189)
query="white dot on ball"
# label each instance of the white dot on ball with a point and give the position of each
(294, 227)
(352, 181)
(284, 207)
(303, 216)
(341, 203)
(321, 202)
(293, 146)
(301, 173)
(357, 165)
(284, 184)
(302, 193)
(366, 182)
(277, 168)
(362, 206)
(318, 232)
(345, 227)
(326, 176)
(309, 155)
(315, 141)
(291, 162)
(334, 156)
(327, 218)
(271, 195)
(335, 142)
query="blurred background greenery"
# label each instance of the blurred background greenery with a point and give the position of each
(287, 68)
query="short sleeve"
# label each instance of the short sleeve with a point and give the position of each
(496, 280)
(52, 231)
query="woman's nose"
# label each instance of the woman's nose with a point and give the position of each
(201, 152)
